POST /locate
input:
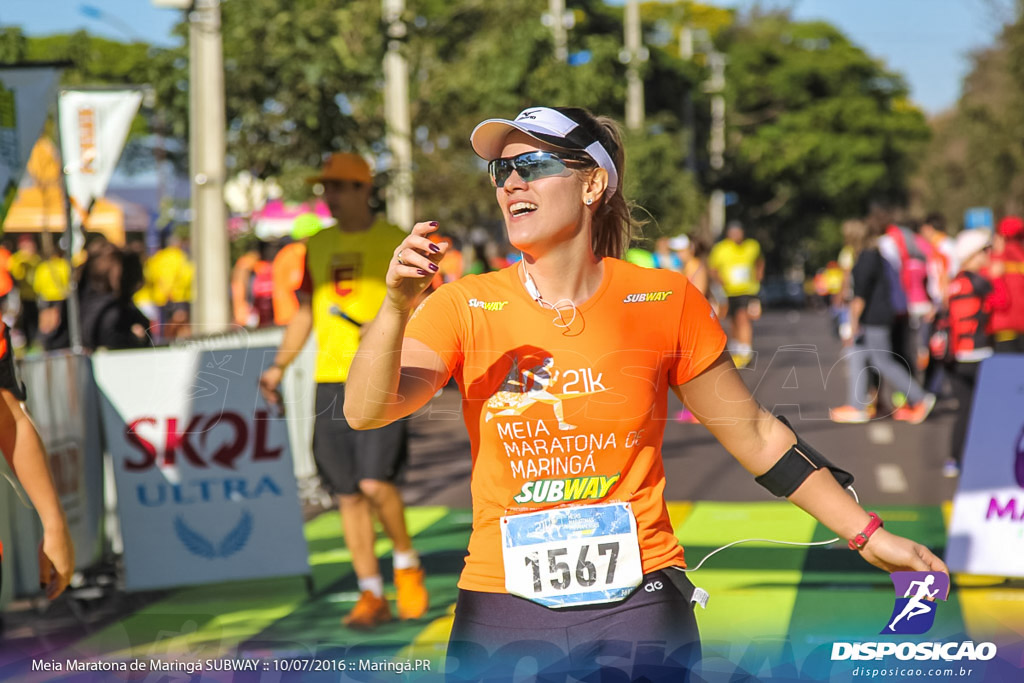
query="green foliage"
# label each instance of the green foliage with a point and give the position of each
(817, 131)
(301, 79)
(13, 45)
(475, 60)
(977, 154)
(657, 180)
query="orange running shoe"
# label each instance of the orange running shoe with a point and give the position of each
(369, 612)
(849, 415)
(917, 414)
(413, 598)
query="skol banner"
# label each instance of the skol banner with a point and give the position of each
(988, 508)
(94, 125)
(25, 95)
(205, 488)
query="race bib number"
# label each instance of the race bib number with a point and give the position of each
(739, 274)
(584, 555)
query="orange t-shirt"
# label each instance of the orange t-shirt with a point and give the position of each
(584, 406)
(288, 268)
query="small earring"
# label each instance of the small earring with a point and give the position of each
(589, 200)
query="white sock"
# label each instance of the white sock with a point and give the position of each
(406, 559)
(374, 584)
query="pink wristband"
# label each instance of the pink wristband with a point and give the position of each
(860, 540)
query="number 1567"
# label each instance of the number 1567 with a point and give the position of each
(561, 572)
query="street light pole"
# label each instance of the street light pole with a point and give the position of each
(207, 150)
(556, 18)
(396, 114)
(633, 54)
(716, 144)
(714, 86)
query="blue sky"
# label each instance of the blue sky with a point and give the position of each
(926, 40)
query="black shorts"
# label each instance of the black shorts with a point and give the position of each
(345, 456)
(651, 635)
(171, 307)
(741, 302)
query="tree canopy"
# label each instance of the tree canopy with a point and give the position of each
(817, 129)
(977, 155)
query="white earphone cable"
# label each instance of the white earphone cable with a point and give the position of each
(764, 540)
(557, 307)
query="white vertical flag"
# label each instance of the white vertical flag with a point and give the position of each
(25, 95)
(94, 125)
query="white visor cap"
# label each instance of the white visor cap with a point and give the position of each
(549, 126)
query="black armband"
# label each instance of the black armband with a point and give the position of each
(796, 464)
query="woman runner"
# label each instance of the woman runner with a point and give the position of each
(573, 560)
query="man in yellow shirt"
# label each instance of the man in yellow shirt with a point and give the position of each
(170, 272)
(51, 283)
(736, 264)
(22, 266)
(343, 287)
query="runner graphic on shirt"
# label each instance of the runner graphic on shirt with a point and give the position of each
(513, 398)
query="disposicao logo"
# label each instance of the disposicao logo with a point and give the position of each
(916, 593)
(913, 614)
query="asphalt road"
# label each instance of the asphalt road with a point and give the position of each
(797, 372)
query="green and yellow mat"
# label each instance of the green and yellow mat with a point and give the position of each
(774, 612)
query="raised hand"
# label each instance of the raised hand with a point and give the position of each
(413, 266)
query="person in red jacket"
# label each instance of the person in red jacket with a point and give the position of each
(972, 299)
(1007, 272)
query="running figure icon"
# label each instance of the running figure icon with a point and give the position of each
(916, 605)
(514, 397)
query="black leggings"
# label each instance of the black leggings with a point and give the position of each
(651, 634)
(962, 378)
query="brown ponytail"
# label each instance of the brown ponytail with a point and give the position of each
(613, 225)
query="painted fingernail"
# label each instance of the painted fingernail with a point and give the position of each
(432, 224)
(433, 267)
(434, 248)
(421, 271)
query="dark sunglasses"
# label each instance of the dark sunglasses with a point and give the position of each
(534, 165)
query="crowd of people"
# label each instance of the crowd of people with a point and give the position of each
(917, 311)
(125, 299)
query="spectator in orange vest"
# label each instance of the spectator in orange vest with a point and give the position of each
(6, 283)
(288, 266)
(449, 272)
(241, 275)
(262, 288)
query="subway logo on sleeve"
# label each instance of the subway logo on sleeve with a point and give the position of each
(641, 297)
(564, 490)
